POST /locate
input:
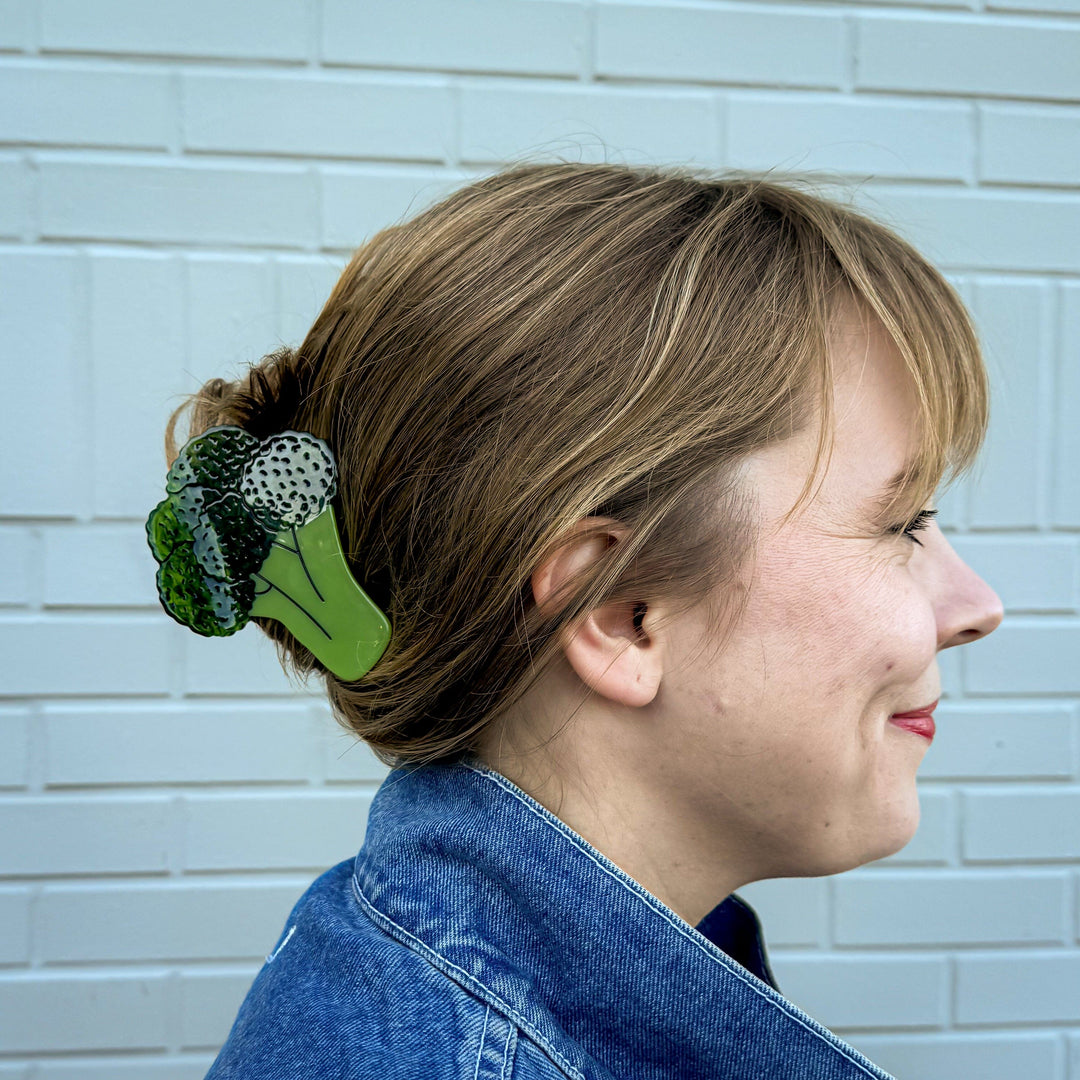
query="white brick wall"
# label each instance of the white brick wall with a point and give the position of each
(180, 185)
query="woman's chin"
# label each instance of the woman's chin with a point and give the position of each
(899, 831)
(895, 831)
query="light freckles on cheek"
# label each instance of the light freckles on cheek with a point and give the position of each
(806, 584)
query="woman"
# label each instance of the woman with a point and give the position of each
(639, 465)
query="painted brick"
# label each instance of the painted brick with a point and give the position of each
(245, 663)
(1063, 6)
(878, 908)
(15, 548)
(263, 29)
(983, 229)
(499, 119)
(1021, 825)
(727, 45)
(933, 841)
(1030, 144)
(356, 204)
(930, 140)
(135, 299)
(14, 926)
(100, 1012)
(95, 565)
(1067, 443)
(485, 35)
(928, 3)
(865, 991)
(144, 1067)
(14, 745)
(984, 740)
(15, 196)
(15, 16)
(196, 203)
(86, 656)
(179, 743)
(1022, 987)
(208, 1004)
(1009, 315)
(163, 322)
(1033, 1055)
(290, 114)
(1028, 574)
(1024, 657)
(791, 910)
(42, 311)
(174, 921)
(967, 55)
(231, 319)
(228, 317)
(303, 287)
(68, 835)
(43, 103)
(301, 830)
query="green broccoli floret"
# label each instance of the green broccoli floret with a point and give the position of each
(209, 606)
(194, 576)
(207, 543)
(215, 459)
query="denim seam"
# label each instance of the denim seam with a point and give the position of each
(484, 992)
(736, 969)
(509, 1050)
(483, 1039)
(273, 956)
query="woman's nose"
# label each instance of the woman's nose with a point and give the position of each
(966, 607)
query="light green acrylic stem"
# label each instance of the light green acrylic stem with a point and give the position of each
(342, 627)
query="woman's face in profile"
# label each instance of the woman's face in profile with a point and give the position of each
(787, 726)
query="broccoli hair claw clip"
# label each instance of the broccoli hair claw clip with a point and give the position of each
(247, 529)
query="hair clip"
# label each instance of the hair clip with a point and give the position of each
(247, 529)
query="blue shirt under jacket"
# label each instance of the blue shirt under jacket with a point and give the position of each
(477, 937)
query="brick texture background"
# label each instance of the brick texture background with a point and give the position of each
(180, 185)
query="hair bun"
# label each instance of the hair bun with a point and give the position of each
(264, 401)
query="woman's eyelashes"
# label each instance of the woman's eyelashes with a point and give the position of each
(920, 521)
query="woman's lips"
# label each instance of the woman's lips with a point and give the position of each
(920, 721)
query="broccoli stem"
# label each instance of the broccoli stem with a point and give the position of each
(306, 584)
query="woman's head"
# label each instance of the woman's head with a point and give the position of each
(773, 749)
(563, 346)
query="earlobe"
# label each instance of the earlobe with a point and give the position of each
(611, 657)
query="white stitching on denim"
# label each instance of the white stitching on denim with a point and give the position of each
(273, 955)
(377, 916)
(511, 1033)
(633, 888)
(480, 1049)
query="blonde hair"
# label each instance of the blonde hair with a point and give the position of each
(556, 341)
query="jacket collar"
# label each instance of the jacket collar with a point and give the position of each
(511, 902)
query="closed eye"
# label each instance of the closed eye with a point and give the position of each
(920, 521)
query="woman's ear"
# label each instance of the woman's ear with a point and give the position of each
(610, 647)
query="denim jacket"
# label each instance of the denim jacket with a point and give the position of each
(476, 935)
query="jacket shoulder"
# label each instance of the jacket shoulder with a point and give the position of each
(339, 998)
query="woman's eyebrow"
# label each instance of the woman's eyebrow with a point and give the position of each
(895, 483)
(892, 487)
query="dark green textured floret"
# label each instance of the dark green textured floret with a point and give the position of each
(207, 602)
(215, 459)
